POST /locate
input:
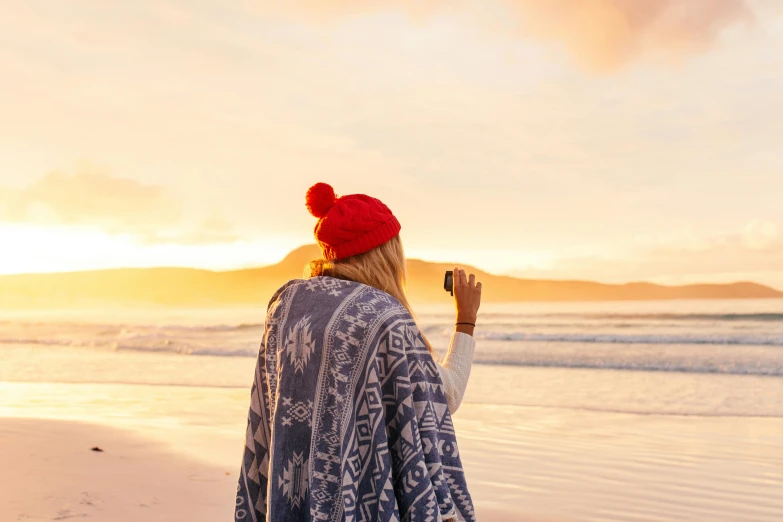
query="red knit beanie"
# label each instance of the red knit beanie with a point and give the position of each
(349, 225)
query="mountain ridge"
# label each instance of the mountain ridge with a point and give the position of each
(198, 287)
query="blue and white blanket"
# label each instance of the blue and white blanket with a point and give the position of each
(348, 418)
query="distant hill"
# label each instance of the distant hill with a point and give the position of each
(192, 287)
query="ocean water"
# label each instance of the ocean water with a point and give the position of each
(707, 336)
(658, 343)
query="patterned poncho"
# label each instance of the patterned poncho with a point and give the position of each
(348, 418)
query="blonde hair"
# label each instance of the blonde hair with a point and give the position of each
(382, 267)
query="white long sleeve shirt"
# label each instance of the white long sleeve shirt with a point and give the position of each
(454, 369)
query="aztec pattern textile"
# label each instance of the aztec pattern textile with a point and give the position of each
(348, 418)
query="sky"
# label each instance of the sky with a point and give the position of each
(611, 140)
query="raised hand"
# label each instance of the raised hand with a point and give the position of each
(467, 299)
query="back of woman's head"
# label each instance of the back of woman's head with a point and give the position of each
(383, 268)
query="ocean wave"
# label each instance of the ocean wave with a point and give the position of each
(762, 317)
(219, 327)
(107, 328)
(609, 316)
(729, 368)
(719, 366)
(654, 316)
(185, 349)
(46, 342)
(605, 338)
(162, 339)
(729, 360)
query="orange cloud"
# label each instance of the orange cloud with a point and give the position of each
(112, 204)
(89, 197)
(606, 34)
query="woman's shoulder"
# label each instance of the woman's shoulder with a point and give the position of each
(311, 285)
(280, 291)
(378, 299)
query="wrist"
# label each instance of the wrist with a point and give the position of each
(464, 328)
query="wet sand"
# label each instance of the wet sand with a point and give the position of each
(168, 450)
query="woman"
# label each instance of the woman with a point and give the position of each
(350, 416)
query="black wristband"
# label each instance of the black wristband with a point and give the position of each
(471, 324)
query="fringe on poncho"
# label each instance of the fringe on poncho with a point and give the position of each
(348, 418)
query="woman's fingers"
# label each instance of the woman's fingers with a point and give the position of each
(462, 279)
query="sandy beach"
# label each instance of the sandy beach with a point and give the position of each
(171, 453)
(49, 472)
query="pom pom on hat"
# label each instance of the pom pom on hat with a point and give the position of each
(320, 198)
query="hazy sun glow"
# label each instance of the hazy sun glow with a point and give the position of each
(63, 249)
(40, 249)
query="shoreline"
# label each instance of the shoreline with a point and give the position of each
(466, 402)
(209, 379)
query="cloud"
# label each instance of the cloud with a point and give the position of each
(763, 235)
(606, 34)
(758, 237)
(601, 35)
(90, 197)
(317, 11)
(214, 229)
(751, 252)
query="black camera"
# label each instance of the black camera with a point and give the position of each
(448, 282)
